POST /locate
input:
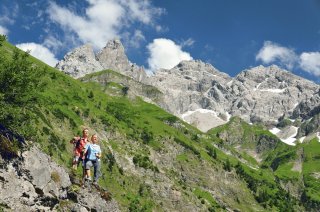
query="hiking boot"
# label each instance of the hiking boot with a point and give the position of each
(88, 178)
(95, 183)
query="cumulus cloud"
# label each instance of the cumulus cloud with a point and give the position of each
(40, 52)
(103, 19)
(272, 52)
(310, 62)
(164, 53)
(3, 30)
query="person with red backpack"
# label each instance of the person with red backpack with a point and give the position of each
(79, 144)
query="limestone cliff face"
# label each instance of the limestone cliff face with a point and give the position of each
(268, 93)
(79, 62)
(261, 94)
(113, 57)
(82, 61)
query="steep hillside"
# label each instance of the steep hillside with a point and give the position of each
(294, 168)
(155, 160)
(152, 160)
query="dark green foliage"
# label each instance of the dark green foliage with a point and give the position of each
(195, 137)
(227, 165)
(309, 127)
(146, 135)
(169, 119)
(125, 90)
(284, 123)
(8, 149)
(110, 160)
(137, 206)
(144, 162)
(91, 95)
(3, 38)
(18, 80)
(144, 190)
(275, 197)
(18, 91)
(212, 152)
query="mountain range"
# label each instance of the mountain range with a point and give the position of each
(205, 97)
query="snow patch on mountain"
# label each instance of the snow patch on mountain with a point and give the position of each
(291, 139)
(273, 90)
(205, 119)
(286, 135)
(274, 130)
(302, 139)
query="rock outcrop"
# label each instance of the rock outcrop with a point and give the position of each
(33, 182)
(113, 57)
(79, 62)
(265, 94)
(82, 61)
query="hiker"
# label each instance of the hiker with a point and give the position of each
(79, 143)
(92, 155)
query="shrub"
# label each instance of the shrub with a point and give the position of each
(55, 177)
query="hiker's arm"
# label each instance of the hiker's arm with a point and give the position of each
(84, 153)
(72, 141)
(98, 154)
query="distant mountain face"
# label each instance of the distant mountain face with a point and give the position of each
(82, 61)
(204, 96)
(260, 94)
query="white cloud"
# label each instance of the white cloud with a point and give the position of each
(189, 42)
(133, 40)
(272, 52)
(142, 10)
(40, 52)
(3, 30)
(310, 62)
(103, 19)
(52, 43)
(164, 53)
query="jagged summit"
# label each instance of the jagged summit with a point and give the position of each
(79, 62)
(82, 61)
(113, 56)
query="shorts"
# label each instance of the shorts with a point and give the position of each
(92, 163)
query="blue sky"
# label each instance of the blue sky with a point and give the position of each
(232, 35)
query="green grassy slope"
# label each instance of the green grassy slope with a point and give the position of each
(152, 160)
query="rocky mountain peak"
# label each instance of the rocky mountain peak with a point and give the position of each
(114, 44)
(79, 62)
(113, 56)
(194, 69)
(83, 60)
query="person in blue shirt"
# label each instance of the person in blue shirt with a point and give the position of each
(92, 152)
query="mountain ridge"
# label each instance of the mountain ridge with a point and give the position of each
(205, 97)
